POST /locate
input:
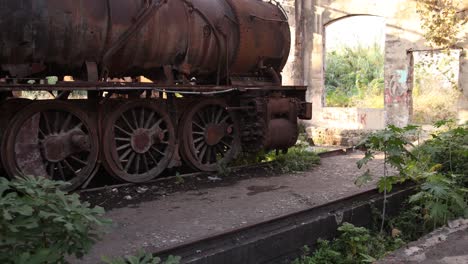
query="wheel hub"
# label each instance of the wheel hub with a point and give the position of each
(141, 140)
(214, 134)
(58, 147)
(55, 149)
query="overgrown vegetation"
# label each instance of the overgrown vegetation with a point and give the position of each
(142, 258)
(353, 245)
(439, 167)
(300, 157)
(435, 92)
(41, 224)
(355, 77)
(441, 21)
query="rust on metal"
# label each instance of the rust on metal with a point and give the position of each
(153, 83)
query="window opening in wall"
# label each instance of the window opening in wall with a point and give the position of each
(435, 87)
(354, 62)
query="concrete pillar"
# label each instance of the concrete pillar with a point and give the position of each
(462, 106)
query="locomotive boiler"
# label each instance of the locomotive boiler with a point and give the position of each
(212, 71)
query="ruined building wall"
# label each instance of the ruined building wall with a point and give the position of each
(308, 19)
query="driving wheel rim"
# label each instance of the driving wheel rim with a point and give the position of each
(139, 141)
(51, 139)
(209, 135)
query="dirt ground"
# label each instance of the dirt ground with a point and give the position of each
(176, 215)
(448, 245)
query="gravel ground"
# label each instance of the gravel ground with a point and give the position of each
(160, 216)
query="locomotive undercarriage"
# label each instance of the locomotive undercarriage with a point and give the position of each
(136, 131)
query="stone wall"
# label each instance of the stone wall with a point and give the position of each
(308, 19)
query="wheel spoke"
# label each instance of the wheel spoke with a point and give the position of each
(142, 117)
(153, 158)
(145, 163)
(60, 168)
(213, 114)
(130, 161)
(125, 146)
(157, 150)
(78, 126)
(198, 125)
(66, 123)
(42, 134)
(198, 140)
(156, 125)
(137, 169)
(134, 118)
(123, 130)
(47, 123)
(78, 160)
(125, 154)
(127, 122)
(51, 170)
(224, 119)
(202, 119)
(57, 122)
(197, 148)
(123, 139)
(202, 153)
(218, 116)
(69, 166)
(148, 121)
(208, 159)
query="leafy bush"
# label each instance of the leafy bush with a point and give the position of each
(355, 77)
(448, 148)
(143, 258)
(353, 245)
(41, 224)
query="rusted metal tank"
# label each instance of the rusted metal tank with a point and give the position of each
(206, 39)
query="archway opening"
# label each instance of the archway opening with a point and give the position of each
(354, 62)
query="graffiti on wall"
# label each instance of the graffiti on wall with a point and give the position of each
(397, 91)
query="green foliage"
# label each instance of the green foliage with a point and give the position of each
(441, 22)
(439, 166)
(354, 77)
(435, 91)
(449, 148)
(353, 245)
(296, 159)
(441, 199)
(142, 258)
(410, 224)
(301, 157)
(41, 224)
(393, 142)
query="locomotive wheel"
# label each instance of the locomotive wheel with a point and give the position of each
(139, 141)
(52, 139)
(209, 135)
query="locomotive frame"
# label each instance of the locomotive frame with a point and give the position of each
(137, 130)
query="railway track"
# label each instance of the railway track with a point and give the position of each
(279, 240)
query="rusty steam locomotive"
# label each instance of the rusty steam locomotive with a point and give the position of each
(215, 85)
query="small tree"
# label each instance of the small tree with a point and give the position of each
(393, 142)
(441, 21)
